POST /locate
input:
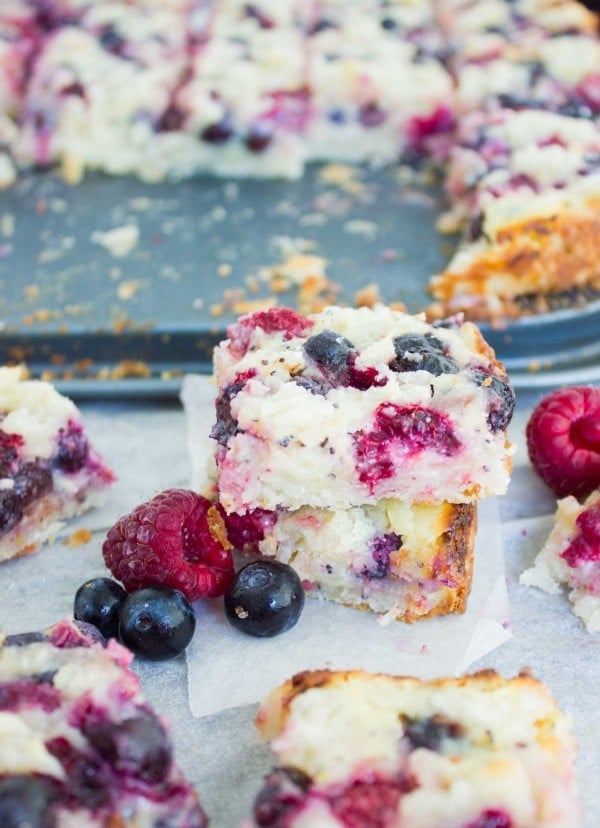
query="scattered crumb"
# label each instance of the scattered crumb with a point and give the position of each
(397, 306)
(216, 309)
(287, 246)
(449, 222)
(293, 272)
(128, 368)
(7, 225)
(119, 241)
(224, 270)
(32, 292)
(533, 366)
(368, 296)
(343, 176)
(361, 227)
(127, 290)
(78, 538)
(313, 220)
(390, 254)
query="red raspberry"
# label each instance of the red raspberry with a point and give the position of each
(563, 439)
(285, 320)
(177, 539)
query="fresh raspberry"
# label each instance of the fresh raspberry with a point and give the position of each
(563, 439)
(285, 320)
(177, 539)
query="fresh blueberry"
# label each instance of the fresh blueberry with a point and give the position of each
(112, 41)
(72, 450)
(259, 136)
(156, 622)
(26, 802)
(32, 481)
(265, 599)
(218, 133)
(329, 349)
(98, 602)
(137, 747)
(501, 399)
(415, 352)
(429, 733)
(11, 510)
(389, 24)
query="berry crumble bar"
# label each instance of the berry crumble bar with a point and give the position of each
(79, 745)
(49, 472)
(375, 750)
(346, 407)
(571, 556)
(526, 186)
(407, 562)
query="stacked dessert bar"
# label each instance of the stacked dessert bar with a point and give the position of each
(354, 445)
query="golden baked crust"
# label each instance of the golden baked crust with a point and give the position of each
(539, 255)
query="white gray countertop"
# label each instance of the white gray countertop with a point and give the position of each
(146, 444)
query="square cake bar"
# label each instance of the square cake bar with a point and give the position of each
(406, 562)
(362, 749)
(346, 407)
(49, 471)
(79, 745)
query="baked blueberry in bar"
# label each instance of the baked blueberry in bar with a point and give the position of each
(408, 562)
(345, 407)
(79, 745)
(571, 557)
(49, 472)
(379, 751)
(526, 187)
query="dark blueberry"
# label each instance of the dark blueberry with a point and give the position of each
(381, 549)
(260, 136)
(577, 108)
(226, 425)
(32, 481)
(112, 41)
(328, 349)
(337, 116)
(11, 510)
(389, 24)
(171, 120)
(89, 779)
(502, 399)
(137, 747)
(73, 449)
(23, 639)
(449, 322)
(98, 602)
(511, 101)
(315, 386)
(321, 26)
(265, 599)
(492, 818)
(415, 352)
(430, 733)
(91, 632)
(76, 89)
(26, 802)
(218, 133)
(156, 622)
(281, 793)
(371, 115)
(264, 21)
(474, 229)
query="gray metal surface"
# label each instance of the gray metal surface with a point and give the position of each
(72, 308)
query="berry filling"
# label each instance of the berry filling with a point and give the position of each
(492, 818)
(26, 802)
(274, 320)
(227, 425)
(335, 357)
(31, 480)
(400, 431)
(245, 532)
(178, 539)
(432, 732)
(381, 549)
(72, 450)
(415, 352)
(89, 780)
(282, 793)
(370, 804)
(501, 403)
(585, 546)
(20, 693)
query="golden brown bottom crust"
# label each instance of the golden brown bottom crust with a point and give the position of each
(534, 257)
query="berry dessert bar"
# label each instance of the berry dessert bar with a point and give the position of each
(346, 407)
(49, 470)
(571, 556)
(80, 745)
(526, 187)
(363, 749)
(407, 562)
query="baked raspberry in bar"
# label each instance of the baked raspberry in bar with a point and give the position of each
(363, 749)
(49, 472)
(345, 407)
(356, 113)
(408, 562)
(571, 556)
(79, 745)
(103, 77)
(526, 185)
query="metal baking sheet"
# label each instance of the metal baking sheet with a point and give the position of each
(132, 325)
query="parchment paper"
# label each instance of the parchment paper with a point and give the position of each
(228, 669)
